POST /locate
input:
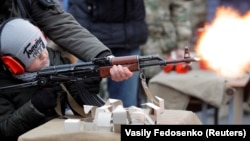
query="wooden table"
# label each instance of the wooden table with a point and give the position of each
(54, 129)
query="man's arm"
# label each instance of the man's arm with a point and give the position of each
(63, 29)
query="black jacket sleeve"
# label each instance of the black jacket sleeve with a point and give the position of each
(15, 121)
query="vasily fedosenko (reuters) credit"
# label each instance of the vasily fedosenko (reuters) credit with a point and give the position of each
(196, 132)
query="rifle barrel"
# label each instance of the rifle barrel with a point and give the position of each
(166, 62)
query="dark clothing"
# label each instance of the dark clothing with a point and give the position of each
(242, 6)
(121, 26)
(17, 113)
(117, 23)
(58, 25)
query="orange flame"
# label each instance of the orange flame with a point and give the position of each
(225, 43)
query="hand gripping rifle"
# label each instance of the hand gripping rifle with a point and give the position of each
(97, 67)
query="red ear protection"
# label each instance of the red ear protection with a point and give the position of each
(182, 67)
(13, 65)
(168, 67)
(178, 67)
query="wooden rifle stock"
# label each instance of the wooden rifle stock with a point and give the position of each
(131, 62)
(105, 71)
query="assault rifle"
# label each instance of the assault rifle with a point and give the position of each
(97, 67)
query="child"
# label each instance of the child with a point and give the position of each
(23, 49)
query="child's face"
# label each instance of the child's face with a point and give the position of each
(40, 62)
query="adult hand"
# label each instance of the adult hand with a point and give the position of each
(45, 98)
(120, 73)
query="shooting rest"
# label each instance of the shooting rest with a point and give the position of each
(206, 87)
(54, 129)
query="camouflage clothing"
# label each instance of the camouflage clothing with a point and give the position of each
(198, 14)
(198, 17)
(169, 28)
